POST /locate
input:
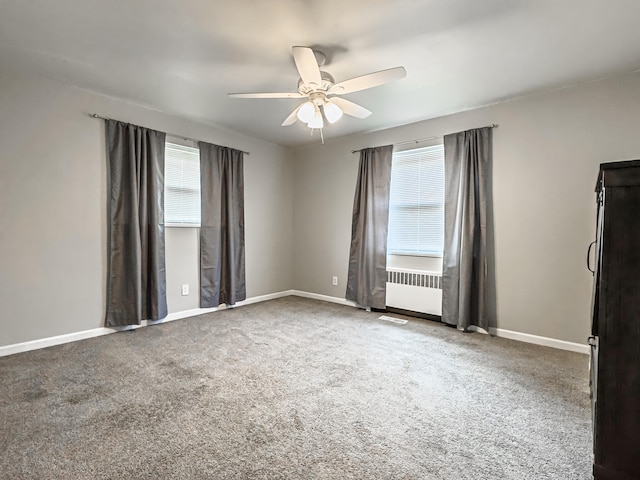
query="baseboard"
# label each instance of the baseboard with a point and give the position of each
(200, 311)
(51, 341)
(535, 339)
(264, 298)
(324, 298)
(498, 332)
(96, 332)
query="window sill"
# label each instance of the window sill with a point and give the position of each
(182, 225)
(428, 255)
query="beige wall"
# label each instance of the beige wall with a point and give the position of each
(181, 261)
(53, 209)
(546, 155)
(298, 204)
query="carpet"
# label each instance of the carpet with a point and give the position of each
(295, 388)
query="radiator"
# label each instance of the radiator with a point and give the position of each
(414, 290)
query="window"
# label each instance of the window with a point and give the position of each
(416, 202)
(181, 185)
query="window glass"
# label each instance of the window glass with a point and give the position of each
(416, 202)
(181, 185)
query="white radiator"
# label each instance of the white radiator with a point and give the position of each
(414, 290)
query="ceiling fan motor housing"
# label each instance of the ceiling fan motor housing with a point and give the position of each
(309, 88)
(318, 98)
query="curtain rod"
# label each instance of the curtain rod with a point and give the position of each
(95, 115)
(493, 125)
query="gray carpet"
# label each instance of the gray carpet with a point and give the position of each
(295, 389)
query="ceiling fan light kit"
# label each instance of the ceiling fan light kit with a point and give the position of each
(306, 112)
(316, 122)
(333, 112)
(321, 92)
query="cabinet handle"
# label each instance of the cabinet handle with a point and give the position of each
(592, 270)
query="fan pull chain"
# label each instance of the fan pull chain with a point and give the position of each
(321, 134)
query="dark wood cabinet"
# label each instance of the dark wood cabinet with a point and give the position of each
(615, 341)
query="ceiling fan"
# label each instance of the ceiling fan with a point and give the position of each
(323, 93)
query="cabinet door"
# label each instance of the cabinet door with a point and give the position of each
(617, 427)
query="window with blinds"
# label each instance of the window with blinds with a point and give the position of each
(181, 185)
(416, 202)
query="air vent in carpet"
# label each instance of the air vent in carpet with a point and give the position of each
(392, 319)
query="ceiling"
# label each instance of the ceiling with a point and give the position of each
(183, 56)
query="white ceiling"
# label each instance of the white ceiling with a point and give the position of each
(183, 56)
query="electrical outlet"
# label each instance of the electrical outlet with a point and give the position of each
(185, 289)
(335, 280)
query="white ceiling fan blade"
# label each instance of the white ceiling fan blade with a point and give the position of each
(293, 116)
(307, 65)
(368, 81)
(350, 108)
(265, 95)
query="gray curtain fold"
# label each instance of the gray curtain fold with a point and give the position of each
(136, 281)
(367, 277)
(222, 259)
(464, 278)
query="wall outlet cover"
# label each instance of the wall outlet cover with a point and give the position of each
(185, 289)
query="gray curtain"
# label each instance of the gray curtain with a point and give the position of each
(136, 281)
(464, 277)
(367, 278)
(222, 263)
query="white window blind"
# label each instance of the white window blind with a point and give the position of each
(181, 185)
(416, 202)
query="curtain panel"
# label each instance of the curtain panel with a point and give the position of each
(222, 254)
(367, 277)
(468, 160)
(136, 279)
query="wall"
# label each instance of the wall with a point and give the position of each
(53, 209)
(182, 250)
(53, 195)
(547, 149)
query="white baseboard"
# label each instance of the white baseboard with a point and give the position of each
(201, 311)
(264, 298)
(324, 298)
(96, 332)
(498, 332)
(51, 341)
(535, 339)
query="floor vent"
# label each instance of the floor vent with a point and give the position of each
(393, 319)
